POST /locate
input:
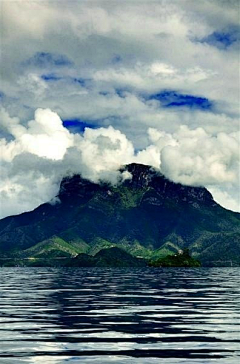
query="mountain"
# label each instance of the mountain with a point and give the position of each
(147, 216)
(110, 257)
(113, 257)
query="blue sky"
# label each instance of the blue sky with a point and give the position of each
(174, 99)
(149, 76)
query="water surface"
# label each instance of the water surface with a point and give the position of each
(93, 315)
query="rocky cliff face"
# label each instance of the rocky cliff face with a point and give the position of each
(146, 176)
(144, 214)
(142, 177)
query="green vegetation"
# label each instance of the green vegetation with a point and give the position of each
(147, 216)
(98, 244)
(115, 257)
(129, 197)
(52, 248)
(110, 257)
(181, 259)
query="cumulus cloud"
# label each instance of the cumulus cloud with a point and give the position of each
(136, 72)
(104, 150)
(44, 136)
(194, 157)
(39, 155)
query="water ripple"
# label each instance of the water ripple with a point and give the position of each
(93, 315)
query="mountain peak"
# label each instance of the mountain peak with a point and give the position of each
(144, 176)
(141, 175)
(144, 214)
(76, 186)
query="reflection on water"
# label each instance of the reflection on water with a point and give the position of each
(92, 315)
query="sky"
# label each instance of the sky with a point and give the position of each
(88, 86)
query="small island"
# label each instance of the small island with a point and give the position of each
(107, 257)
(181, 259)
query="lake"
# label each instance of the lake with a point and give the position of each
(144, 315)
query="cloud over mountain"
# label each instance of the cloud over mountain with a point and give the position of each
(89, 86)
(39, 155)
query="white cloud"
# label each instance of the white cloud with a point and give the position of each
(199, 158)
(120, 53)
(45, 136)
(227, 195)
(104, 150)
(33, 85)
(38, 156)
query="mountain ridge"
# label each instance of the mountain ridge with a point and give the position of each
(146, 214)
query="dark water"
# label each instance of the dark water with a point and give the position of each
(66, 315)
